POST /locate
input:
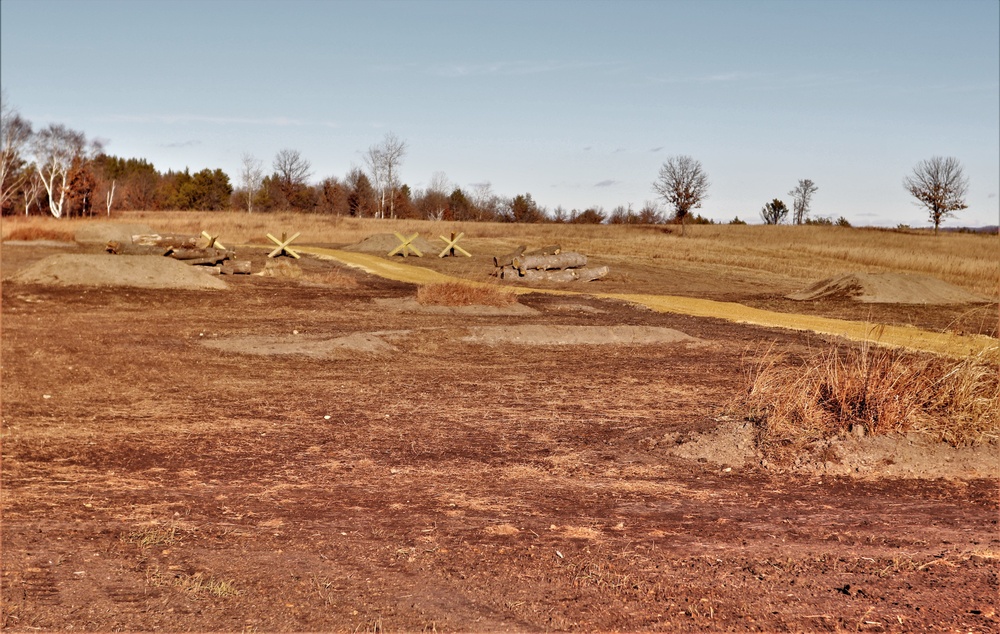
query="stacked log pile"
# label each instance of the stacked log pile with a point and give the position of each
(188, 249)
(548, 264)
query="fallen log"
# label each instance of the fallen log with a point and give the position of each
(565, 275)
(236, 267)
(508, 260)
(177, 241)
(202, 255)
(554, 249)
(591, 274)
(568, 260)
(121, 248)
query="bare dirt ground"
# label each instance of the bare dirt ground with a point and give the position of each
(173, 460)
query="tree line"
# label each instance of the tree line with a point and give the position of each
(58, 171)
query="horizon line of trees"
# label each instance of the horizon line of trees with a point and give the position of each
(57, 171)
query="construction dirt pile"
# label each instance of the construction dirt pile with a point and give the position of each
(137, 271)
(383, 243)
(889, 288)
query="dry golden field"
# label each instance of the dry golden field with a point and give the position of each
(779, 257)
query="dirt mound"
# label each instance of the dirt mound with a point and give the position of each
(295, 344)
(888, 288)
(104, 232)
(411, 305)
(540, 335)
(896, 456)
(139, 271)
(383, 243)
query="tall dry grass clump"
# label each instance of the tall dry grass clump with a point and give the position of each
(884, 390)
(39, 232)
(459, 294)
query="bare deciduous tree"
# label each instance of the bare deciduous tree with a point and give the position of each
(383, 161)
(251, 175)
(683, 184)
(939, 184)
(15, 133)
(32, 188)
(292, 173)
(487, 203)
(801, 197)
(55, 149)
(110, 198)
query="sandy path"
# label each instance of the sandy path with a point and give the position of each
(896, 336)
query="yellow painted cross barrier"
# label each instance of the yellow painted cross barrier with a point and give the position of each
(452, 246)
(213, 241)
(406, 245)
(283, 248)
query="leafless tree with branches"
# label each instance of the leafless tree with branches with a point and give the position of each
(55, 148)
(939, 184)
(383, 161)
(15, 133)
(683, 184)
(801, 198)
(292, 173)
(252, 175)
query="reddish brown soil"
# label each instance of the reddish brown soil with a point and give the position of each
(150, 482)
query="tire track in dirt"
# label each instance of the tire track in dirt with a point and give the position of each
(908, 337)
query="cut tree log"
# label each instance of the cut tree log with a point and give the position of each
(177, 241)
(202, 255)
(508, 260)
(236, 267)
(567, 260)
(566, 275)
(590, 274)
(120, 248)
(554, 249)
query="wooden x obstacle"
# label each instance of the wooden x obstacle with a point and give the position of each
(283, 248)
(452, 246)
(213, 241)
(406, 246)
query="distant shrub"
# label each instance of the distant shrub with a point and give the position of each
(591, 216)
(843, 222)
(821, 220)
(737, 221)
(698, 219)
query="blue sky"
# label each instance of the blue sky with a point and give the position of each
(577, 103)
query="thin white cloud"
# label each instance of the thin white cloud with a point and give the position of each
(508, 68)
(172, 119)
(177, 144)
(606, 183)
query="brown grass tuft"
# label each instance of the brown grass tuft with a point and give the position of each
(459, 294)
(35, 232)
(885, 390)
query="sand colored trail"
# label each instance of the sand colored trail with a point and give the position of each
(906, 337)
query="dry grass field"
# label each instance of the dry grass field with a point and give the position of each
(769, 256)
(333, 450)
